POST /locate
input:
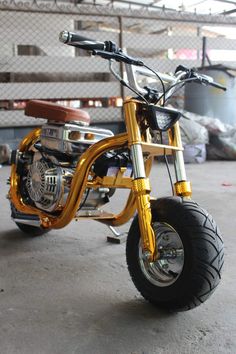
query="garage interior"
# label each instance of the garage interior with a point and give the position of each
(69, 291)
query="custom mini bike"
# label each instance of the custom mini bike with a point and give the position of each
(69, 170)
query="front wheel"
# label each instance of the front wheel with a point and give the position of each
(191, 255)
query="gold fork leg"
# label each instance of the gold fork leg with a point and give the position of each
(141, 189)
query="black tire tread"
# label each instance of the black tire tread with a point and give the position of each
(207, 252)
(27, 229)
(31, 230)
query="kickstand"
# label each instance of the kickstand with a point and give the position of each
(117, 236)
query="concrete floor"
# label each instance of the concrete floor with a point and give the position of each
(70, 292)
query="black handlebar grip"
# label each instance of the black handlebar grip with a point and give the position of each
(76, 40)
(219, 86)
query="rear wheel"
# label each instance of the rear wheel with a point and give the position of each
(31, 230)
(27, 229)
(191, 255)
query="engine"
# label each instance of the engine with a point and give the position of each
(44, 183)
(47, 170)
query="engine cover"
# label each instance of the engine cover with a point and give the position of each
(49, 175)
(72, 139)
(48, 185)
(44, 184)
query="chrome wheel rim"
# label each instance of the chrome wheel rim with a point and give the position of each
(168, 267)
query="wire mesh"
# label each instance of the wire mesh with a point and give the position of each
(35, 65)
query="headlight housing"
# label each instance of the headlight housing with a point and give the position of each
(161, 118)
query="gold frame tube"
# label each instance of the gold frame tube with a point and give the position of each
(139, 195)
(130, 207)
(78, 185)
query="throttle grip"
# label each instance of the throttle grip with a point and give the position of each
(79, 41)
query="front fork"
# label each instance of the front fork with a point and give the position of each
(182, 186)
(141, 189)
(141, 185)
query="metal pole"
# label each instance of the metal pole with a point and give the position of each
(122, 91)
(120, 19)
(199, 33)
(203, 50)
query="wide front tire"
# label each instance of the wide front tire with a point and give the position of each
(191, 255)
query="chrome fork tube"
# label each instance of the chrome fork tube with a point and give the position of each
(182, 186)
(179, 166)
(137, 159)
(178, 155)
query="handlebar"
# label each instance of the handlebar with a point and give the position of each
(109, 50)
(76, 40)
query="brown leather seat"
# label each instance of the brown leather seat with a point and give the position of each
(56, 112)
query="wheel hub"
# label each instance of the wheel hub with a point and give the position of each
(169, 265)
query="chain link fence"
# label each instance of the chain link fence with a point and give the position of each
(35, 65)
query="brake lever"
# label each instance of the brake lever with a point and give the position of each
(120, 57)
(219, 86)
(208, 80)
(103, 54)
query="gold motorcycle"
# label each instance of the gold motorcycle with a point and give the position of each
(68, 170)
